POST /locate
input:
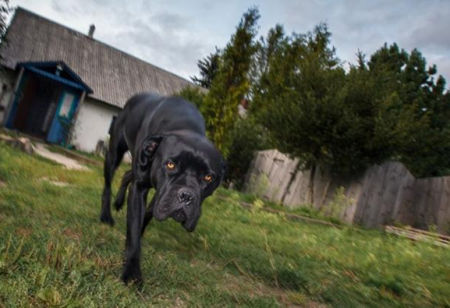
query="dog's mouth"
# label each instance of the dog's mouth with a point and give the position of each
(187, 215)
(179, 216)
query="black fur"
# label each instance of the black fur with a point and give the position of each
(170, 153)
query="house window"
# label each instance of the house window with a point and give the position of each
(66, 105)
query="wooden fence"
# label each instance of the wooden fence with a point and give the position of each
(384, 194)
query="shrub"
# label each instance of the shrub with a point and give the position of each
(247, 137)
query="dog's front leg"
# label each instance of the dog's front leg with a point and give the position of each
(135, 218)
(148, 215)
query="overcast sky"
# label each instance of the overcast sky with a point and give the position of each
(175, 34)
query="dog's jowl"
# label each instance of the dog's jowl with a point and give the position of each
(170, 153)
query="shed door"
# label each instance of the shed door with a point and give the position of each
(61, 125)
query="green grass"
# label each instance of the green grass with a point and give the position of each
(54, 251)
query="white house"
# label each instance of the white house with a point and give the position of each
(52, 76)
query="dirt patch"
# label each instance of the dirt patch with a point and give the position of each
(72, 234)
(60, 184)
(2, 184)
(54, 182)
(22, 143)
(76, 156)
(25, 232)
(69, 163)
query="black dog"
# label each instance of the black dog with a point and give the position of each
(166, 138)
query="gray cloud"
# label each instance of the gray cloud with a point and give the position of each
(167, 47)
(170, 21)
(175, 34)
(432, 32)
(159, 37)
(367, 25)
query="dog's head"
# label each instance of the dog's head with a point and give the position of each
(184, 169)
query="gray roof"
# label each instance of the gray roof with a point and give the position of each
(113, 75)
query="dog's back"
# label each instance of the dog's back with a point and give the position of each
(157, 115)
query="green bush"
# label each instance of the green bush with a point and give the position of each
(193, 94)
(247, 138)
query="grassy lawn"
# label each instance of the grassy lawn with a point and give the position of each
(54, 251)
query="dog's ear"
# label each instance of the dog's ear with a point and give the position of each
(147, 150)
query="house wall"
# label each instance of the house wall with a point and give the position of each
(7, 82)
(93, 118)
(92, 124)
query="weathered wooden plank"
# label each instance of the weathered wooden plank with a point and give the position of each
(420, 235)
(384, 194)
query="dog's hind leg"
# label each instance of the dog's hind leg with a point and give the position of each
(113, 158)
(120, 197)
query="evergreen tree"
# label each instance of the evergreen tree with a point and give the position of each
(208, 69)
(406, 75)
(296, 97)
(304, 103)
(193, 94)
(296, 94)
(231, 82)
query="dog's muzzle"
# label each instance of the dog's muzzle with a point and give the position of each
(183, 207)
(179, 215)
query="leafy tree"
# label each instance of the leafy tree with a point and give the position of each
(193, 94)
(247, 137)
(265, 50)
(304, 103)
(4, 12)
(295, 98)
(381, 125)
(388, 108)
(208, 69)
(231, 82)
(407, 76)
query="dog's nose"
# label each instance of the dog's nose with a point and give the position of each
(185, 197)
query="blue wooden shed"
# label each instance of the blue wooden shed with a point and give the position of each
(46, 100)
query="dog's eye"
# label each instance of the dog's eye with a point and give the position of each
(208, 178)
(170, 165)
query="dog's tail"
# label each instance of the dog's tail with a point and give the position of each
(120, 197)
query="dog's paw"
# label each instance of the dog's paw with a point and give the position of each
(118, 204)
(132, 275)
(107, 219)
